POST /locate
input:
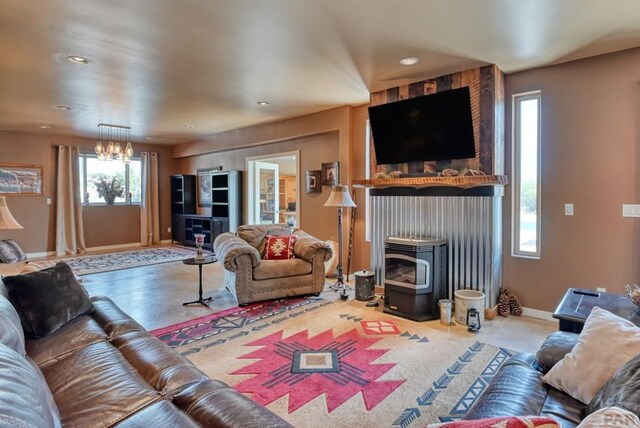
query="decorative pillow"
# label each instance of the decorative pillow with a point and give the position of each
(505, 422)
(10, 252)
(606, 343)
(48, 299)
(622, 390)
(279, 247)
(610, 417)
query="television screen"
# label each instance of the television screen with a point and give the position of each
(425, 128)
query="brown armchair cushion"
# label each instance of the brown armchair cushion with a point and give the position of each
(307, 246)
(255, 235)
(270, 269)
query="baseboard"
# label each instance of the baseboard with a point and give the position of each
(38, 255)
(114, 247)
(166, 241)
(536, 313)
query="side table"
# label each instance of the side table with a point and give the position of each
(200, 262)
(577, 304)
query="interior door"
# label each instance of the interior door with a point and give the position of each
(265, 198)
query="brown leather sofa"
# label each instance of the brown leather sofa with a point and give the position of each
(517, 389)
(251, 279)
(105, 370)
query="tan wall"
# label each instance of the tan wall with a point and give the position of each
(314, 218)
(103, 225)
(591, 158)
(362, 248)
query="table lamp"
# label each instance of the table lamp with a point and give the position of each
(6, 219)
(340, 198)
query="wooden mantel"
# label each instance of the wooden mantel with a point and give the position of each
(464, 182)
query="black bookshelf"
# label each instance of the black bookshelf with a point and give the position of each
(226, 197)
(183, 201)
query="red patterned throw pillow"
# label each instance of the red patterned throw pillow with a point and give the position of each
(279, 247)
(506, 422)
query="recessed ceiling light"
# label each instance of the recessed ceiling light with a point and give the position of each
(44, 126)
(61, 107)
(187, 126)
(263, 103)
(410, 60)
(148, 138)
(78, 60)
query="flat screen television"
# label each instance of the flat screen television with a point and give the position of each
(425, 128)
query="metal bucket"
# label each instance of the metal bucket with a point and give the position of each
(365, 285)
(445, 311)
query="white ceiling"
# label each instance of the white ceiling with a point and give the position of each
(157, 65)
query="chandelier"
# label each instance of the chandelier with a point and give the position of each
(114, 137)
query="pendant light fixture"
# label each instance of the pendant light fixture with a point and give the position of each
(111, 138)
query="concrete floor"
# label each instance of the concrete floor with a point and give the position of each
(153, 296)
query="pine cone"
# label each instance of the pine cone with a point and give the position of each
(504, 308)
(514, 305)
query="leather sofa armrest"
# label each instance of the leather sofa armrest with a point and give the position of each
(228, 247)
(554, 348)
(307, 247)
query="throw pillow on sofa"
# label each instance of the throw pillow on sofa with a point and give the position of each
(279, 247)
(606, 343)
(10, 252)
(11, 333)
(610, 417)
(503, 422)
(622, 390)
(48, 299)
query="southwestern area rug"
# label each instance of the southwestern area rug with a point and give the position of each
(96, 263)
(318, 362)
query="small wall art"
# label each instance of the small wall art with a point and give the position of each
(204, 187)
(312, 181)
(21, 180)
(330, 173)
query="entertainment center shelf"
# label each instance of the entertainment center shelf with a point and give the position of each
(463, 182)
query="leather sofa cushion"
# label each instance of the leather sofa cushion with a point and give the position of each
(269, 269)
(48, 299)
(166, 371)
(96, 386)
(24, 398)
(111, 318)
(554, 348)
(622, 390)
(213, 403)
(11, 333)
(160, 414)
(76, 334)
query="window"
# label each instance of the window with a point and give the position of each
(94, 171)
(526, 175)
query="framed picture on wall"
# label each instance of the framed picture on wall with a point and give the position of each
(312, 181)
(330, 173)
(204, 187)
(21, 180)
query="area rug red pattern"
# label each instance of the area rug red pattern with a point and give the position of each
(317, 362)
(305, 367)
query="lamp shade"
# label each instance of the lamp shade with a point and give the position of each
(339, 197)
(6, 219)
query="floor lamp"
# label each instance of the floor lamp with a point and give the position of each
(340, 198)
(6, 219)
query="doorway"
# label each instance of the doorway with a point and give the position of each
(273, 194)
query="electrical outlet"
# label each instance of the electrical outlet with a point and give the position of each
(568, 209)
(48, 201)
(169, 229)
(601, 289)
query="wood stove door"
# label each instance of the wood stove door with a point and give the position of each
(406, 270)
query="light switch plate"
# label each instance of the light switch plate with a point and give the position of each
(48, 201)
(630, 210)
(568, 209)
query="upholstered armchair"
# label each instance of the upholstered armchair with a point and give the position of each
(251, 278)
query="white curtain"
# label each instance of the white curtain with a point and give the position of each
(69, 229)
(150, 206)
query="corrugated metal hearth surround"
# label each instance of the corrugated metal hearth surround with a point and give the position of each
(471, 226)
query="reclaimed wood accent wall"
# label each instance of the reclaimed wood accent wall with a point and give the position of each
(486, 85)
